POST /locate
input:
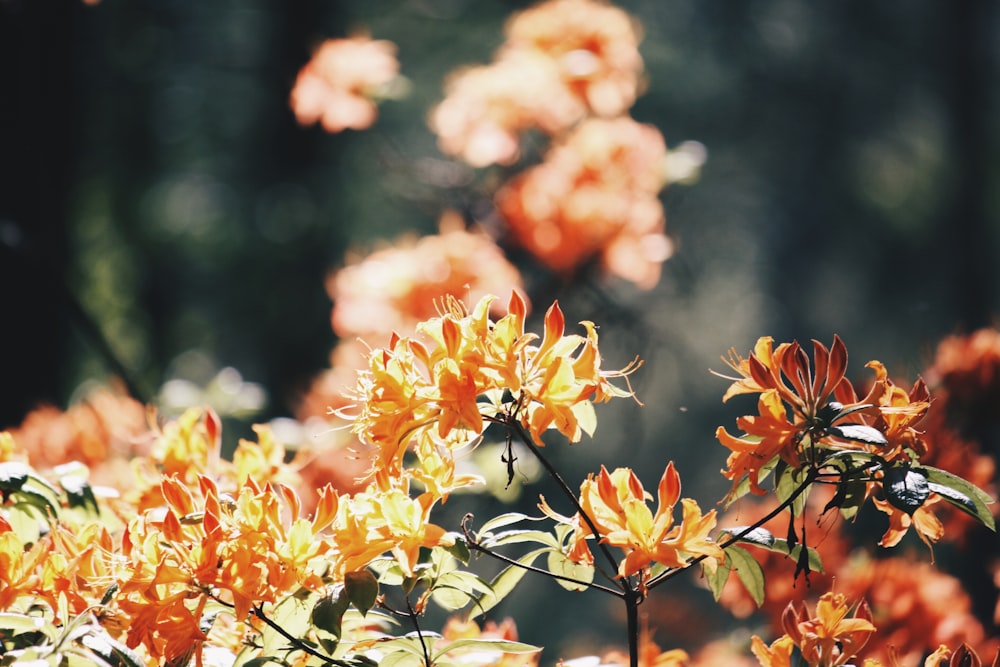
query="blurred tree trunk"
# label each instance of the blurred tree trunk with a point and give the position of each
(967, 240)
(37, 123)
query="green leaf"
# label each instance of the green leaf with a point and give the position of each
(293, 615)
(112, 650)
(260, 661)
(44, 506)
(505, 582)
(717, 578)
(79, 493)
(905, 488)
(328, 612)
(507, 519)
(859, 433)
(454, 590)
(849, 498)
(788, 481)
(979, 498)
(459, 548)
(518, 537)
(559, 564)
(749, 571)
(20, 623)
(759, 536)
(13, 475)
(362, 589)
(483, 645)
(401, 659)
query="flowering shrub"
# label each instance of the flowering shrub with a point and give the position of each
(130, 539)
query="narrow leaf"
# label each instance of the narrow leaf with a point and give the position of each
(759, 536)
(505, 581)
(979, 498)
(500, 521)
(749, 571)
(859, 433)
(716, 577)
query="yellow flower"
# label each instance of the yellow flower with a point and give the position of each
(832, 637)
(617, 504)
(436, 390)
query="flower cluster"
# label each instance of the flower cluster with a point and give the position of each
(338, 85)
(616, 504)
(437, 392)
(562, 60)
(810, 418)
(832, 637)
(595, 196)
(571, 69)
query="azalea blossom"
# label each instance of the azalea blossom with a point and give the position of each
(338, 85)
(799, 402)
(616, 502)
(594, 198)
(392, 288)
(836, 633)
(594, 46)
(437, 391)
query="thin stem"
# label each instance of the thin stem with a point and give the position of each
(475, 546)
(296, 642)
(568, 492)
(416, 626)
(632, 600)
(811, 475)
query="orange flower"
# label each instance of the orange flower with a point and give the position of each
(814, 395)
(595, 47)
(486, 108)
(768, 434)
(929, 529)
(337, 86)
(394, 288)
(915, 606)
(245, 551)
(616, 502)
(430, 394)
(832, 636)
(103, 431)
(778, 654)
(376, 522)
(595, 194)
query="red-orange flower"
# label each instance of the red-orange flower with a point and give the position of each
(337, 85)
(486, 108)
(594, 45)
(395, 287)
(594, 196)
(834, 635)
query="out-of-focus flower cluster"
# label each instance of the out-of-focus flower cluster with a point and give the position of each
(562, 61)
(572, 70)
(339, 85)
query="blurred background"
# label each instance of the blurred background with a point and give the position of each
(163, 217)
